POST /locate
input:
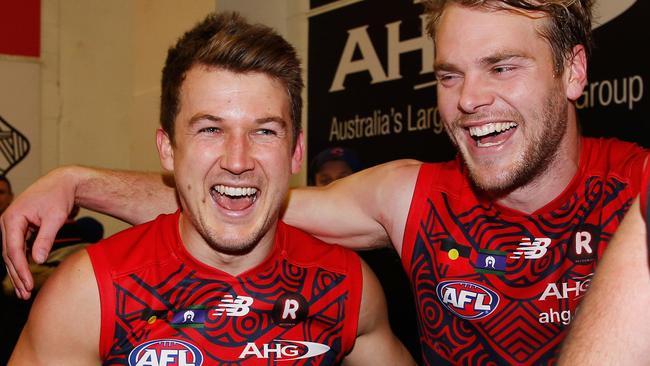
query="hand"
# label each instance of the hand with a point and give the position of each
(46, 205)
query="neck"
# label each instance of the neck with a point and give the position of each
(551, 183)
(231, 263)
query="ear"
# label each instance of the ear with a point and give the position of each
(165, 150)
(296, 159)
(576, 73)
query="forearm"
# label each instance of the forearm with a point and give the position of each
(332, 217)
(612, 325)
(134, 197)
(365, 210)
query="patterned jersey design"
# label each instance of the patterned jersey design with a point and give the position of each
(498, 287)
(173, 312)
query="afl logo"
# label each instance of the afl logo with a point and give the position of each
(467, 300)
(166, 352)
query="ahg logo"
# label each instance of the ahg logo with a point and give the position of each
(575, 288)
(284, 350)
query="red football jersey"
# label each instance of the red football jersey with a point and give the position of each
(160, 306)
(495, 286)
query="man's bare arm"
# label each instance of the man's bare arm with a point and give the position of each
(612, 326)
(64, 322)
(364, 210)
(131, 196)
(375, 344)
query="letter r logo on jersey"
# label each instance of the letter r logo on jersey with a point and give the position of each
(290, 309)
(583, 239)
(583, 246)
(291, 306)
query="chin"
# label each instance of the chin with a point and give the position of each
(487, 179)
(232, 240)
(240, 249)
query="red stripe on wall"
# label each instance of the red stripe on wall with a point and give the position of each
(20, 27)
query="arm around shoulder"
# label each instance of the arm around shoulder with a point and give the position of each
(364, 210)
(64, 323)
(131, 196)
(375, 344)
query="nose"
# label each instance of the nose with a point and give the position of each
(237, 157)
(475, 93)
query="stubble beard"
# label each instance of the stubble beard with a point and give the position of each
(239, 246)
(541, 150)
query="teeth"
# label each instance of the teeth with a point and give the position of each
(486, 129)
(235, 191)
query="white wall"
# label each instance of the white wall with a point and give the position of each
(20, 106)
(101, 64)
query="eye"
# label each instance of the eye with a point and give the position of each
(502, 69)
(210, 130)
(266, 132)
(447, 78)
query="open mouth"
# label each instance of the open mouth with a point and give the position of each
(491, 134)
(234, 198)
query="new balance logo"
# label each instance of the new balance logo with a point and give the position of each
(233, 306)
(531, 250)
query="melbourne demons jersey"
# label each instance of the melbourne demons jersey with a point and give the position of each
(495, 286)
(160, 306)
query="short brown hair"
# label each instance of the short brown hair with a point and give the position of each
(226, 40)
(569, 20)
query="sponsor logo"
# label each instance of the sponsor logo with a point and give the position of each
(467, 300)
(556, 316)
(584, 245)
(574, 289)
(189, 318)
(232, 306)
(455, 250)
(284, 350)
(491, 261)
(531, 248)
(166, 352)
(290, 309)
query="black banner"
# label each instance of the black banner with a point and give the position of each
(371, 84)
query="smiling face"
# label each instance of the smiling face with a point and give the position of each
(232, 158)
(502, 104)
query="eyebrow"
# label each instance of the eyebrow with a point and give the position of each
(485, 61)
(499, 57)
(198, 117)
(271, 119)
